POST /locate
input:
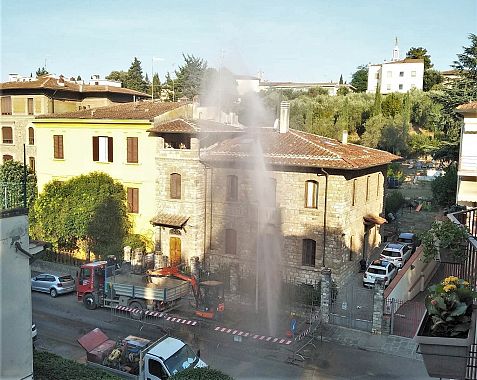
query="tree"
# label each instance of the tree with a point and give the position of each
(420, 53)
(373, 130)
(156, 86)
(431, 78)
(444, 188)
(377, 108)
(11, 178)
(342, 91)
(359, 79)
(341, 79)
(87, 212)
(120, 76)
(135, 79)
(78, 78)
(392, 104)
(41, 71)
(189, 77)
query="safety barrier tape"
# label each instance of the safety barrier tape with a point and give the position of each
(263, 338)
(158, 315)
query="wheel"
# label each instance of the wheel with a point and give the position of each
(89, 302)
(53, 292)
(138, 314)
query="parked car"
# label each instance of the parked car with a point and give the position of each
(53, 284)
(34, 332)
(396, 253)
(379, 269)
(410, 239)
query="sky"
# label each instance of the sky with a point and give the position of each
(299, 40)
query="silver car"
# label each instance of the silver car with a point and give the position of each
(53, 284)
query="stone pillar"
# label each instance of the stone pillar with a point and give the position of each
(234, 278)
(194, 266)
(378, 308)
(325, 294)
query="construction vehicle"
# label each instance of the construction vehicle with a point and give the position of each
(208, 295)
(98, 285)
(137, 358)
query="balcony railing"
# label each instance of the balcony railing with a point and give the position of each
(12, 195)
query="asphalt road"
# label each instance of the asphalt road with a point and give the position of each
(60, 321)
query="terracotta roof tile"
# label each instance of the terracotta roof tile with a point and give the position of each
(297, 148)
(471, 106)
(193, 126)
(146, 110)
(169, 220)
(49, 83)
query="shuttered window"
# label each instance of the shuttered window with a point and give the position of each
(132, 151)
(309, 252)
(7, 135)
(58, 146)
(230, 242)
(311, 194)
(31, 136)
(6, 105)
(30, 106)
(232, 188)
(102, 149)
(175, 186)
(133, 200)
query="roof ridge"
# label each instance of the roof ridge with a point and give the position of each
(315, 144)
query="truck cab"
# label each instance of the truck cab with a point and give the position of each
(169, 357)
(90, 283)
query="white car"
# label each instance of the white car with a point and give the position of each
(396, 253)
(379, 270)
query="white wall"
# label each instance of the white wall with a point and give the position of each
(396, 77)
(16, 355)
(247, 85)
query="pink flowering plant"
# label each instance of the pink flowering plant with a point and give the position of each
(449, 304)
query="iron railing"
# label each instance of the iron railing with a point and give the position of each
(12, 195)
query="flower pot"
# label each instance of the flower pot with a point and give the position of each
(445, 357)
(446, 255)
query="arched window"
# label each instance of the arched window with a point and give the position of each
(230, 242)
(311, 194)
(31, 136)
(232, 188)
(309, 253)
(175, 186)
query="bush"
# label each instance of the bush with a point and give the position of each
(135, 241)
(201, 374)
(393, 202)
(48, 366)
(444, 188)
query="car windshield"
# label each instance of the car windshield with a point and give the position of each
(391, 253)
(377, 271)
(66, 278)
(182, 359)
(402, 240)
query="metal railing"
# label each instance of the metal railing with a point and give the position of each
(12, 195)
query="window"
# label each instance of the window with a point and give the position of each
(413, 73)
(133, 200)
(175, 186)
(311, 194)
(367, 188)
(400, 86)
(230, 242)
(30, 106)
(7, 157)
(155, 369)
(58, 146)
(232, 188)
(31, 136)
(353, 199)
(388, 87)
(390, 74)
(271, 192)
(31, 163)
(7, 135)
(309, 252)
(6, 105)
(132, 151)
(401, 73)
(102, 149)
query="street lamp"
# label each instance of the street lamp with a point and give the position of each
(152, 77)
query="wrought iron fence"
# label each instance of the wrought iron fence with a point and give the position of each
(12, 195)
(67, 258)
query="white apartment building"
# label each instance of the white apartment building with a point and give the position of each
(396, 75)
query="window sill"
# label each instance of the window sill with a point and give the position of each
(7, 143)
(58, 159)
(103, 162)
(132, 163)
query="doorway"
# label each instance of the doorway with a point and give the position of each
(175, 251)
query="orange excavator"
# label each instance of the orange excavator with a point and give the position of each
(208, 295)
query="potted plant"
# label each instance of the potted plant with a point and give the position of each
(447, 329)
(445, 240)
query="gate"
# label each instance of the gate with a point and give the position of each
(353, 308)
(405, 316)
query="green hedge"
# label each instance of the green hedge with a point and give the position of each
(48, 366)
(201, 374)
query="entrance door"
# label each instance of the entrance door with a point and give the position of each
(175, 251)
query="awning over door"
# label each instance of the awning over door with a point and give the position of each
(371, 219)
(169, 220)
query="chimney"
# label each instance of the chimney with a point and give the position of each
(284, 116)
(344, 139)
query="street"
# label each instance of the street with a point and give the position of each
(60, 321)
